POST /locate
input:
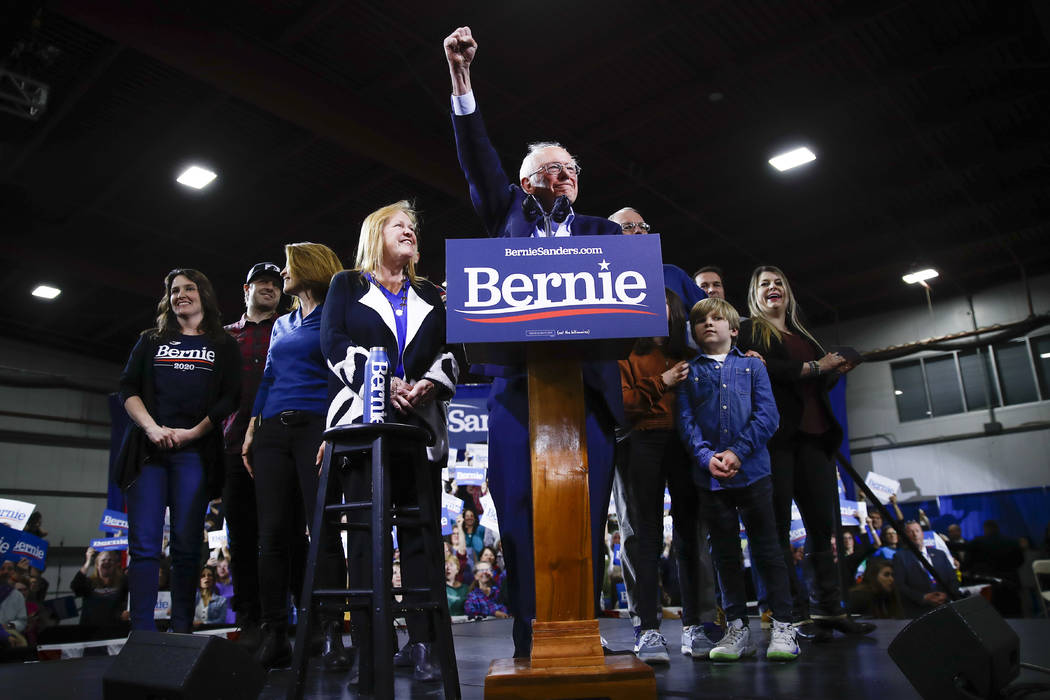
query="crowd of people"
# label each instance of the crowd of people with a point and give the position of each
(729, 413)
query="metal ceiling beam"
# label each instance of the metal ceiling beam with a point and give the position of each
(273, 83)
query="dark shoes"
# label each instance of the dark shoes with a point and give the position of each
(403, 658)
(426, 669)
(334, 655)
(275, 651)
(844, 624)
(250, 636)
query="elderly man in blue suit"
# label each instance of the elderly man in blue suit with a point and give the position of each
(538, 204)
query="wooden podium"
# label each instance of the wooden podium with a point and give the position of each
(567, 659)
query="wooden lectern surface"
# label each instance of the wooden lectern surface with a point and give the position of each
(560, 499)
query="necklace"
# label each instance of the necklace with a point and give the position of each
(399, 301)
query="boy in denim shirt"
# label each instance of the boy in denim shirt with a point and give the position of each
(726, 413)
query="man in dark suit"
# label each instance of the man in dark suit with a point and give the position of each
(538, 204)
(919, 593)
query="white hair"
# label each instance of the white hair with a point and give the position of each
(612, 217)
(527, 166)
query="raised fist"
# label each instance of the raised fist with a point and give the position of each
(460, 48)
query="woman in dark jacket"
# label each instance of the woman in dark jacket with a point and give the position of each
(383, 303)
(182, 379)
(801, 450)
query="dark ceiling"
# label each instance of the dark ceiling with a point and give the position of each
(930, 121)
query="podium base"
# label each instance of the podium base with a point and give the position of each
(618, 678)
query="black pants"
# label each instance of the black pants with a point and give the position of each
(285, 465)
(238, 500)
(656, 457)
(415, 569)
(723, 510)
(803, 470)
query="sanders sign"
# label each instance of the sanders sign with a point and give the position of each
(575, 288)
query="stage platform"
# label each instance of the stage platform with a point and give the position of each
(849, 668)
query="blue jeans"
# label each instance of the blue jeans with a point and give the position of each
(722, 511)
(175, 480)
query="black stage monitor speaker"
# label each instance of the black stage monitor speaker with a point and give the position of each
(158, 666)
(959, 650)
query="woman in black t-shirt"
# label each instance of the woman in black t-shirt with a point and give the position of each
(104, 588)
(801, 450)
(181, 381)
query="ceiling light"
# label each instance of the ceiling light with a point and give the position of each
(195, 177)
(1045, 356)
(792, 159)
(920, 276)
(897, 392)
(46, 292)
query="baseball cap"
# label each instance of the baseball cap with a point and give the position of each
(263, 268)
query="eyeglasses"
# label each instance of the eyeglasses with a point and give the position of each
(629, 227)
(556, 168)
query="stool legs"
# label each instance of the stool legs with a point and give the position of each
(380, 640)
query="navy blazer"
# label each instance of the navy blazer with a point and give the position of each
(913, 581)
(497, 200)
(357, 317)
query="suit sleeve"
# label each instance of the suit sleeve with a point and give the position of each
(764, 418)
(490, 188)
(900, 578)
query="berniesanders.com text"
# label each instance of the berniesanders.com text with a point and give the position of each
(560, 250)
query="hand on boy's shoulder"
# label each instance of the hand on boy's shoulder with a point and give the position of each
(755, 355)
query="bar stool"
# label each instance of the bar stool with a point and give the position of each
(375, 440)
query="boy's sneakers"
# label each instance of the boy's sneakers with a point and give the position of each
(782, 643)
(651, 648)
(735, 644)
(695, 642)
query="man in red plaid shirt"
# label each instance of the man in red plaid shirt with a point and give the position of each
(262, 300)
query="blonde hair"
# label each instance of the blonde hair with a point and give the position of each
(313, 265)
(705, 307)
(370, 244)
(763, 330)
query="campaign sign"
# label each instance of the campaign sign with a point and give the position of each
(446, 522)
(882, 486)
(466, 475)
(848, 512)
(452, 504)
(14, 513)
(797, 533)
(16, 545)
(113, 521)
(110, 544)
(468, 417)
(489, 518)
(574, 288)
(162, 610)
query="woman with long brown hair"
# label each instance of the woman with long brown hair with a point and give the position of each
(182, 380)
(801, 450)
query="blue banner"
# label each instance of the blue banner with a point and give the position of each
(113, 521)
(110, 544)
(468, 420)
(16, 545)
(446, 522)
(577, 288)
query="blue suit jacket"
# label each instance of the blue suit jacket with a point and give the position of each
(497, 200)
(913, 582)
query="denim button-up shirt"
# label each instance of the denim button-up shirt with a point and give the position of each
(727, 405)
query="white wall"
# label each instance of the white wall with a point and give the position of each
(71, 521)
(987, 463)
